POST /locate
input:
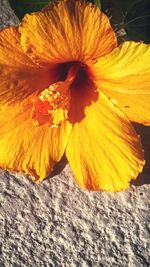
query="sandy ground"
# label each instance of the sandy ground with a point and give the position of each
(58, 224)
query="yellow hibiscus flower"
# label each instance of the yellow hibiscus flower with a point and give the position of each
(66, 87)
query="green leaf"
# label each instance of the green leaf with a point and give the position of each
(21, 7)
(137, 21)
(97, 3)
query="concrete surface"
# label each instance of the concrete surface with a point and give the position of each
(58, 224)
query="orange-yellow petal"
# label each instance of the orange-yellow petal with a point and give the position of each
(27, 148)
(19, 76)
(104, 150)
(124, 75)
(67, 31)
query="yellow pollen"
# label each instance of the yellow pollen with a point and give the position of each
(52, 105)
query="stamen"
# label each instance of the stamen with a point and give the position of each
(51, 105)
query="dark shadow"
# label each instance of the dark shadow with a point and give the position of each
(58, 167)
(83, 93)
(144, 177)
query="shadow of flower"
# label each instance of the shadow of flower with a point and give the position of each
(144, 177)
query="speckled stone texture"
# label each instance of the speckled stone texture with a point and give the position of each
(57, 224)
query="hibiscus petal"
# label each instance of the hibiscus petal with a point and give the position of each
(124, 76)
(103, 150)
(27, 148)
(23, 146)
(19, 76)
(67, 31)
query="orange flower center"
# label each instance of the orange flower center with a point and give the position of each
(53, 103)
